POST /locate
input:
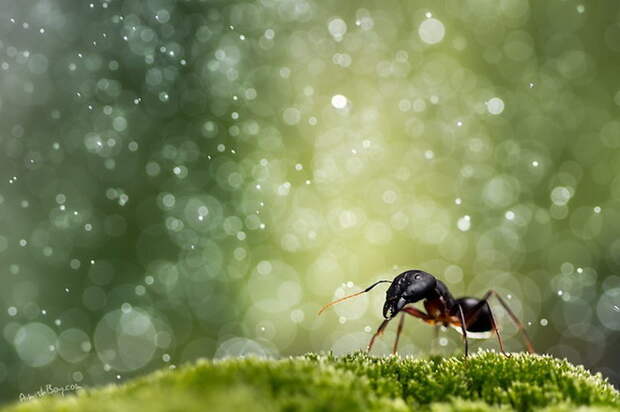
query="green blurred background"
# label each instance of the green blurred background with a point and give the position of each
(196, 178)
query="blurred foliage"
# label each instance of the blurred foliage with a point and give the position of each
(484, 382)
(196, 178)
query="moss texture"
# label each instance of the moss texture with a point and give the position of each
(484, 382)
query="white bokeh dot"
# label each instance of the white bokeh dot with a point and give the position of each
(495, 105)
(431, 31)
(339, 101)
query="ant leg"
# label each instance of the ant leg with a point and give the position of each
(425, 317)
(520, 327)
(462, 316)
(411, 311)
(499, 336)
(377, 333)
(398, 331)
(475, 310)
(416, 313)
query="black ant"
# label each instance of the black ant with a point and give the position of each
(467, 314)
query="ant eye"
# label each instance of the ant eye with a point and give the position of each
(417, 277)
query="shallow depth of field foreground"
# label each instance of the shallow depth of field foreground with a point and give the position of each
(484, 382)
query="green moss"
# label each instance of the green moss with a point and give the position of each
(357, 382)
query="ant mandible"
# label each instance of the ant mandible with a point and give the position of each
(468, 315)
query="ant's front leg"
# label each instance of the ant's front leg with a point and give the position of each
(398, 332)
(417, 313)
(377, 333)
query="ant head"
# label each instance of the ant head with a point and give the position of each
(408, 287)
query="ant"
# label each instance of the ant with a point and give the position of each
(471, 316)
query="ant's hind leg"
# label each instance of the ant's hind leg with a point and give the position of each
(515, 319)
(473, 314)
(496, 330)
(401, 322)
(377, 333)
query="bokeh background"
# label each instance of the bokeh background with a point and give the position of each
(184, 179)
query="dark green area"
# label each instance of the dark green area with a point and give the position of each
(357, 382)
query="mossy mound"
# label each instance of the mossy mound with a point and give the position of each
(484, 382)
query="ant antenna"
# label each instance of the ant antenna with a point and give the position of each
(353, 295)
